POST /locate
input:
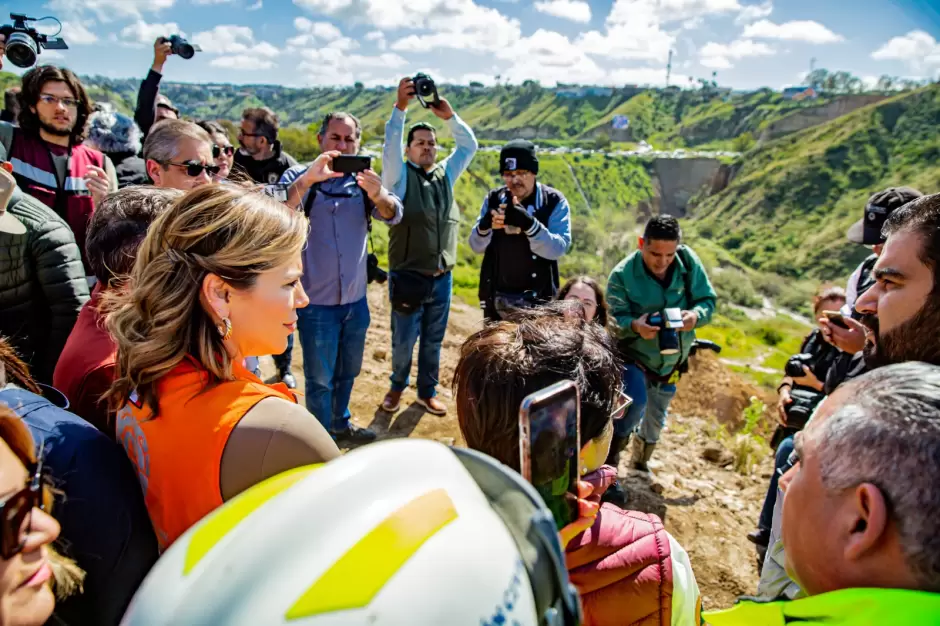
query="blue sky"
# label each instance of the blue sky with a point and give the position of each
(749, 43)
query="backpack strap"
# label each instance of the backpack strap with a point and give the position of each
(366, 201)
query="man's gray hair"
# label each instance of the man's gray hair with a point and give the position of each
(163, 142)
(888, 433)
(340, 115)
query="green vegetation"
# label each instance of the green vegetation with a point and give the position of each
(791, 200)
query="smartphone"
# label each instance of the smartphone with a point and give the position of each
(346, 164)
(277, 191)
(550, 446)
(836, 319)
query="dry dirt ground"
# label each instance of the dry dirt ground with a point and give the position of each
(709, 509)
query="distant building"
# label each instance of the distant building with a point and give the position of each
(577, 91)
(800, 93)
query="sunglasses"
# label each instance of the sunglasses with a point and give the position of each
(16, 513)
(218, 151)
(194, 169)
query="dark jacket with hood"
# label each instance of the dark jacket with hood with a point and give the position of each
(42, 284)
(119, 137)
(268, 171)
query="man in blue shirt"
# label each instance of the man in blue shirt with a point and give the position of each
(423, 247)
(523, 229)
(333, 326)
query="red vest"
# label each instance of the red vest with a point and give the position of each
(36, 175)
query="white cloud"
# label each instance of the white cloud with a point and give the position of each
(109, 10)
(753, 12)
(644, 76)
(213, 1)
(77, 33)
(233, 40)
(256, 6)
(472, 27)
(140, 34)
(320, 33)
(549, 57)
(330, 66)
(633, 31)
(247, 62)
(720, 56)
(666, 11)
(378, 37)
(574, 10)
(918, 49)
(799, 30)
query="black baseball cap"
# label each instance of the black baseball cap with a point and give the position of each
(867, 231)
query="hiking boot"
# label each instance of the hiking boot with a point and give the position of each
(642, 453)
(288, 379)
(759, 537)
(617, 445)
(615, 495)
(433, 406)
(353, 434)
(392, 401)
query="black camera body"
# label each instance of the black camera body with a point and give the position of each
(23, 44)
(181, 47)
(668, 321)
(426, 91)
(794, 366)
(374, 273)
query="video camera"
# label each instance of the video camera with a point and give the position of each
(23, 43)
(426, 91)
(181, 47)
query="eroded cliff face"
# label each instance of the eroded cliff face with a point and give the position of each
(814, 116)
(677, 181)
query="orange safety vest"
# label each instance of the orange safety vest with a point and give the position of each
(178, 454)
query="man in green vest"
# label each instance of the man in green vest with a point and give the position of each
(422, 248)
(861, 506)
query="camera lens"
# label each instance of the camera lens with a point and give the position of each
(21, 50)
(186, 51)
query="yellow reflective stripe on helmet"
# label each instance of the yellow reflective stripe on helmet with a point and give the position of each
(358, 576)
(211, 531)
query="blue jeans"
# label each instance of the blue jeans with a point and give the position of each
(282, 361)
(333, 339)
(429, 323)
(767, 511)
(651, 401)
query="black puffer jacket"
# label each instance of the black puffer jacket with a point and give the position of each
(42, 284)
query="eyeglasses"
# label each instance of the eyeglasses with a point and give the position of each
(242, 133)
(625, 402)
(68, 103)
(194, 169)
(16, 513)
(218, 151)
(509, 175)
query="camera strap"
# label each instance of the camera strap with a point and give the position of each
(366, 201)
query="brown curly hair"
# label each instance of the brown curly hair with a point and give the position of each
(33, 82)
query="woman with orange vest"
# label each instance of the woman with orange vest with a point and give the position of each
(217, 279)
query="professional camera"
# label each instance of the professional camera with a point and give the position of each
(374, 273)
(668, 322)
(426, 91)
(24, 43)
(794, 367)
(181, 47)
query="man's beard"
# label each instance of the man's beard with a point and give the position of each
(917, 339)
(52, 130)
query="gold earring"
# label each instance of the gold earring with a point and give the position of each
(225, 328)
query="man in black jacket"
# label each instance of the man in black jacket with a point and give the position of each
(42, 281)
(523, 229)
(261, 156)
(152, 106)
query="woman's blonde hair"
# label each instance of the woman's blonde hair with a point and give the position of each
(156, 319)
(67, 576)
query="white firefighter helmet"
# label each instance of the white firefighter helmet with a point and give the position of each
(394, 533)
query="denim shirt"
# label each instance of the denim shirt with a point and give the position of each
(335, 254)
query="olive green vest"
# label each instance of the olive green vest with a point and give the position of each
(426, 238)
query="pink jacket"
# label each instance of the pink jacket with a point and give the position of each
(623, 568)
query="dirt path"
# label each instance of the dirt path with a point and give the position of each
(707, 508)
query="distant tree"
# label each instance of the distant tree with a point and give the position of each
(743, 142)
(886, 83)
(817, 79)
(602, 141)
(476, 85)
(358, 86)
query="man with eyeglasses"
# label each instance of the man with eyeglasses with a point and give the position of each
(261, 156)
(523, 229)
(49, 160)
(179, 155)
(333, 326)
(152, 106)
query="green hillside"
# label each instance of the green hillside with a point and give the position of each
(788, 207)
